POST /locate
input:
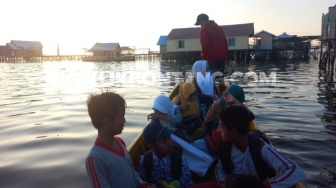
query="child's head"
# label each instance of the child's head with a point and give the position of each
(107, 108)
(233, 121)
(234, 94)
(189, 91)
(243, 181)
(157, 137)
(163, 105)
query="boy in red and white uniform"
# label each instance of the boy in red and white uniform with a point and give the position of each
(108, 163)
(233, 121)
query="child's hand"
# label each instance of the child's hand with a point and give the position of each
(211, 147)
(215, 97)
(152, 116)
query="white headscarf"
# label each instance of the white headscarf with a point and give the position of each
(203, 79)
(163, 104)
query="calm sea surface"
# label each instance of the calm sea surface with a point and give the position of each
(46, 133)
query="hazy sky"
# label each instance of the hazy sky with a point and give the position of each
(76, 24)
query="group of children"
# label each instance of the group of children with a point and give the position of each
(224, 134)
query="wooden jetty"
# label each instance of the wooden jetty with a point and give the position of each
(86, 58)
(128, 57)
(9, 59)
(293, 48)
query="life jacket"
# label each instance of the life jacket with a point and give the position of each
(176, 164)
(263, 170)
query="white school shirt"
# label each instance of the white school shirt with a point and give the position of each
(288, 173)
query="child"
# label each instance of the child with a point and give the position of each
(189, 101)
(158, 166)
(169, 114)
(108, 164)
(234, 95)
(267, 164)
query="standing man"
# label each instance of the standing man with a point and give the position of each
(213, 43)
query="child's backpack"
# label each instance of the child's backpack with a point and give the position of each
(263, 170)
(176, 164)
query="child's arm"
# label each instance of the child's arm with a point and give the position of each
(137, 175)
(141, 168)
(209, 118)
(155, 115)
(177, 118)
(96, 170)
(288, 173)
(211, 114)
(141, 174)
(220, 173)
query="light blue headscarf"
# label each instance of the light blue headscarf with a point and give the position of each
(163, 104)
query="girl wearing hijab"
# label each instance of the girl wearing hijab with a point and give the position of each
(169, 115)
(189, 101)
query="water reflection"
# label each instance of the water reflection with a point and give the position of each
(327, 97)
(46, 132)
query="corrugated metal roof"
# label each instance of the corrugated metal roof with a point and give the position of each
(162, 40)
(229, 30)
(184, 33)
(263, 31)
(26, 44)
(104, 47)
(284, 36)
(12, 46)
(239, 29)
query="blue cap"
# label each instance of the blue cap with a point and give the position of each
(155, 130)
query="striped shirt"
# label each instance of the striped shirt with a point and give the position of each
(107, 167)
(288, 173)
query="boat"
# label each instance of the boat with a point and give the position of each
(138, 147)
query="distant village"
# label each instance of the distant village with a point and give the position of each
(183, 44)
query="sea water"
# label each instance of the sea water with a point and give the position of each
(46, 132)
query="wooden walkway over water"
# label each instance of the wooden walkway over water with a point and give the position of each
(41, 58)
(188, 57)
(130, 57)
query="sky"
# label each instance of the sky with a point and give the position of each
(78, 24)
